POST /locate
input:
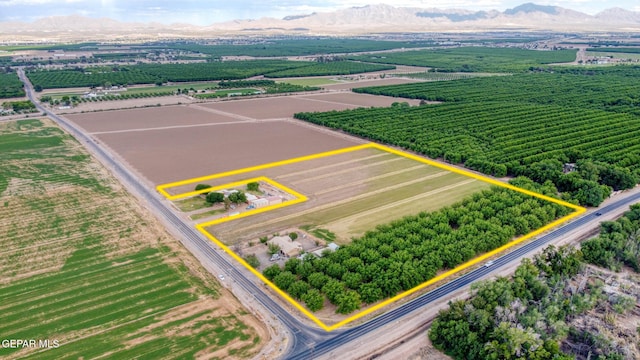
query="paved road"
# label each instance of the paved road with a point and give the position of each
(301, 335)
(306, 342)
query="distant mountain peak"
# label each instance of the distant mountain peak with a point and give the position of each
(296, 17)
(531, 7)
(377, 18)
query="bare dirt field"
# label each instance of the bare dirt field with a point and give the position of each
(147, 118)
(172, 143)
(167, 155)
(275, 107)
(365, 100)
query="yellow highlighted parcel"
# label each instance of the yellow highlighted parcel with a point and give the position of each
(301, 198)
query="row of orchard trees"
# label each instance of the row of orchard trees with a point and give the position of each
(330, 68)
(513, 139)
(10, 84)
(405, 253)
(155, 73)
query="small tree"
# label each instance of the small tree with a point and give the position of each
(215, 197)
(253, 186)
(202, 187)
(273, 249)
(253, 261)
(263, 240)
(313, 299)
(238, 197)
(272, 271)
(293, 235)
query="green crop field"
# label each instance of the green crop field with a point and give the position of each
(473, 59)
(10, 85)
(83, 265)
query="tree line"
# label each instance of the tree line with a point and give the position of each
(618, 244)
(529, 314)
(405, 253)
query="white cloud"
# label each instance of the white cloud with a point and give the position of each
(36, 2)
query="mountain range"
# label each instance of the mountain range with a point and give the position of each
(352, 21)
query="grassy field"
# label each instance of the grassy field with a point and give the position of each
(443, 76)
(225, 93)
(352, 193)
(84, 264)
(310, 81)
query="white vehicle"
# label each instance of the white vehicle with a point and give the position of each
(221, 277)
(489, 263)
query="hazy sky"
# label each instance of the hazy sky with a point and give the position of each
(204, 12)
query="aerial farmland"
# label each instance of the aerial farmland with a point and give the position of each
(197, 204)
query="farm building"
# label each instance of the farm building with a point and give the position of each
(258, 203)
(330, 247)
(250, 197)
(287, 246)
(274, 200)
(228, 192)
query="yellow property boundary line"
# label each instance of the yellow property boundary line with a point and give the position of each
(300, 198)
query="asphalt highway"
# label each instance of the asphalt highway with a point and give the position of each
(306, 342)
